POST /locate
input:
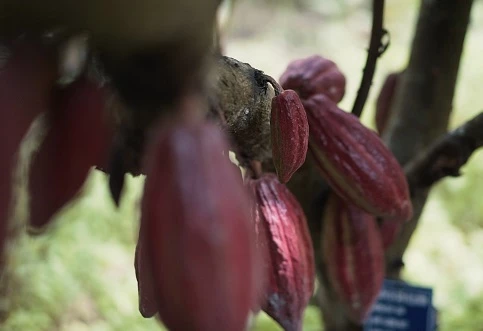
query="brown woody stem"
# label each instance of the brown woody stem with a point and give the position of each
(423, 104)
(376, 49)
(276, 86)
(447, 155)
(443, 158)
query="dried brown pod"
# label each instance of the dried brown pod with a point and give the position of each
(355, 162)
(314, 75)
(290, 134)
(198, 230)
(241, 96)
(284, 242)
(353, 256)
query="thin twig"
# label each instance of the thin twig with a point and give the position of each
(376, 48)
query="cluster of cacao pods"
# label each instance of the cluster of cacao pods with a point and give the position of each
(203, 231)
(211, 249)
(367, 181)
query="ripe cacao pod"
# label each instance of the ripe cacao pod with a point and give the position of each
(353, 256)
(199, 235)
(385, 100)
(27, 77)
(147, 301)
(314, 75)
(355, 162)
(289, 134)
(78, 138)
(285, 243)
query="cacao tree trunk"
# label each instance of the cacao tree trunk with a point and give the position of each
(424, 99)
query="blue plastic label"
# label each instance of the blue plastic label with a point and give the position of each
(402, 307)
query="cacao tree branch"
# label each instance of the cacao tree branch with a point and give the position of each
(443, 158)
(447, 155)
(376, 48)
(424, 97)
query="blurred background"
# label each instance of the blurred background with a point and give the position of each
(79, 275)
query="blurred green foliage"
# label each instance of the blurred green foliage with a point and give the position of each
(79, 274)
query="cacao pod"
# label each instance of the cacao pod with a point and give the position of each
(353, 256)
(261, 244)
(355, 162)
(78, 138)
(287, 248)
(289, 134)
(314, 75)
(199, 236)
(27, 77)
(147, 301)
(385, 100)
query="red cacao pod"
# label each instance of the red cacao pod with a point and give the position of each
(289, 134)
(78, 138)
(314, 75)
(199, 235)
(385, 100)
(353, 256)
(27, 76)
(286, 245)
(144, 275)
(355, 162)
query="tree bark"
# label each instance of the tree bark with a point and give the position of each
(424, 99)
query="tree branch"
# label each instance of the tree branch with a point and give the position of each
(443, 158)
(447, 155)
(376, 48)
(423, 101)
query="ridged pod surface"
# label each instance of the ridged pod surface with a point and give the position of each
(314, 75)
(78, 138)
(353, 256)
(289, 134)
(198, 231)
(355, 162)
(285, 243)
